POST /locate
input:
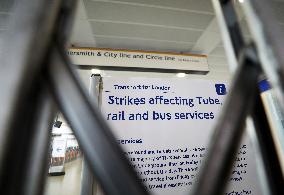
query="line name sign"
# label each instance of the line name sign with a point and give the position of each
(110, 58)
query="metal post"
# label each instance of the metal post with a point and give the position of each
(267, 147)
(268, 39)
(226, 32)
(217, 165)
(29, 149)
(87, 178)
(26, 45)
(260, 166)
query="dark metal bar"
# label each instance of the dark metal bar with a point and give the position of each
(37, 163)
(30, 30)
(229, 44)
(105, 157)
(232, 23)
(233, 39)
(22, 59)
(228, 131)
(268, 39)
(259, 157)
(65, 20)
(87, 179)
(27, 148)
(263, 132)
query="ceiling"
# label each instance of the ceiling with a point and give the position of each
(183, 26)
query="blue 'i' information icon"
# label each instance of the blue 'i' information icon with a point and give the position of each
(220, 89)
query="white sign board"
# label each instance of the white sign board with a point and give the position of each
(58, 148)
(164, 126)
(138, 59)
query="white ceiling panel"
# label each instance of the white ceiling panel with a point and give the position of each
(146, 15)
(218, 51)
(151, 32)
(194, 5)
(82, 34)
(223, 68)
(217, 60)
(217, 75)
(82, 38)
(209, 39)
(141, 44)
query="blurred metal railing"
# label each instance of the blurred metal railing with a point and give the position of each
(36, 74)
(244, 100)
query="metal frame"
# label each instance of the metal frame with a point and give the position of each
(35, 72)
(214, 175)
(88, 184)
